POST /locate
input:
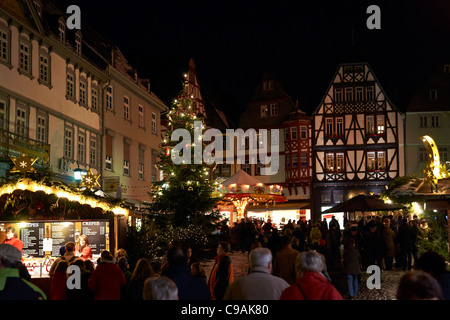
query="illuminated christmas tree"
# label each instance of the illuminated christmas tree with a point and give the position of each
(185, 193)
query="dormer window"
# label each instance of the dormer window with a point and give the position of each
(61, 31)
(78, 42)
(433, 94)
(268, 85)
(37, 6)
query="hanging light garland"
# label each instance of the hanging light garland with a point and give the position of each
(34, 187)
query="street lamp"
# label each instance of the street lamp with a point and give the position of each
(78, 175)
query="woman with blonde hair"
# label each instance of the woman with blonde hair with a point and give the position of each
(141, 272)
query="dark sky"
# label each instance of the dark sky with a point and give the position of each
(302, 42)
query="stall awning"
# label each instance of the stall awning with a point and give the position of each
(289, 205)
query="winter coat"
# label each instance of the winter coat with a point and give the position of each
(189, 286)
(315, 236)
(284, 264)
(405, 237)
(314, 287)
(221, 276)
(389, 239)
(106, 281)
(58, 286)
(13, 287)
(352, 260)
(257, 285)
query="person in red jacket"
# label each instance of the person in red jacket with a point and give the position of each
(11, 238)
(108, 279)
(311, 283)
(59, 281)
(83, 250)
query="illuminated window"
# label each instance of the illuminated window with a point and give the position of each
(339, 162)
(329, 161)
(370, 124)
(381, 160)
(380, 124)
(371, 163)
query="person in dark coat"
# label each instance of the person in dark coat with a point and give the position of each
(189, 287)
(373, 246)
(405, 238)
(434, 264)
(352, 266)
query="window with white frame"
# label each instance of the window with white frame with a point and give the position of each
(380, 124)
(41, 130)
(126, 167)
(126, 108)
(108, 163)
(70, 84)
(94, 98)
(78, 38)
(329, 162)
(25, 57)
(61, 30)
(4, 46)
(339, 162)
(303, 132)
(443, 155)
(423, 156)
(81, 147)
(68, 143)
(141, 162)
(93, 151)
(44, 67)
(22, 122)
(376, 160)
(109, 98)
(83, 89)
(294, 133)
(370, 124)
(423, 121)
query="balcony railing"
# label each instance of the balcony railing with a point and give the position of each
(12, 145)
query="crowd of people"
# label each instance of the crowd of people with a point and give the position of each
(288, 263)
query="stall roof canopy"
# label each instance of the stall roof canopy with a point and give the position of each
(363, 203)
(289, 205)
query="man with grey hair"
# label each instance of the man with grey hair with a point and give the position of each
(259, 284)
(12, 286)
(311, 283)
(160, 288)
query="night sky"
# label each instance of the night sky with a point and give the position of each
(302, 42)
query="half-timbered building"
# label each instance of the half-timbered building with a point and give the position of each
(358, 138)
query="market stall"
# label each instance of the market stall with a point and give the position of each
(45, 217)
